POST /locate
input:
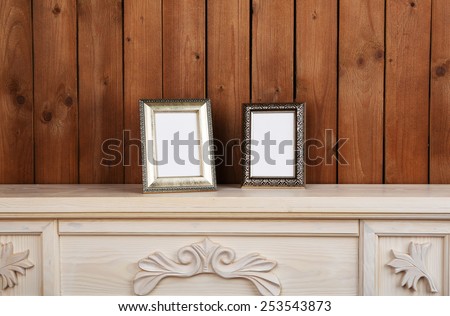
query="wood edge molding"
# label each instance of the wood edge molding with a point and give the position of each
(19, 215)
(368, 263)
(207, 257)
(29, 227)
(51, 260)
(12, 264)
(446, 289)
(318, 201)
(412, 264)
(209, 227)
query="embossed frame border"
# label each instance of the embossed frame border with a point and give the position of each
(299, 179)
(153, 184)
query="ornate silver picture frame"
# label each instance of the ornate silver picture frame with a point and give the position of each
(177, 145)
(273, 150)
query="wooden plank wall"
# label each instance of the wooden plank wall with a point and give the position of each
(55, 116)
(407, 94)
(374, 72)
(316, 56)
(440, 94)
(361, 82)
(142, 50)
(228, 40)
(16, 92)
(100, 71)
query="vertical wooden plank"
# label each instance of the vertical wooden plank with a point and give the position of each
(407, 90)
(440, 94)
(317, 84)
(142, 73)
(361, 90)
(228, 78)
(101, 91)
(184, 49)
(16, 92)
(273, 51)
(55, 91)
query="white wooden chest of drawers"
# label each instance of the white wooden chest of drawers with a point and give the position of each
(325, 240)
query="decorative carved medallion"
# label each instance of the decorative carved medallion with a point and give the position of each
(12, 263)
(413, 265)
(207, 257)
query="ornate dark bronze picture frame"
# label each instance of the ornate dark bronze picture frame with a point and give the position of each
(177, 145)
(270, 118)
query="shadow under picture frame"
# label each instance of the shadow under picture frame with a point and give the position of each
(177, 145)
(273, 145)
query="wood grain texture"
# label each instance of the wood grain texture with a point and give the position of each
(407, 90)
(418, 270)
(29, 284)
(440, 94)
(361, 90)
(16, 92)
(389, 283)
(41, 238)
(184, 49)
(12, 265)
(229, 202)
(204, 227)
(272, 50)
(106, 265)
(142, 73)
(55, 91)
(101, 90)
(317, 84)
(26, 236)
(378, 238)
(50, 252)
(233, 52)
(228, 79)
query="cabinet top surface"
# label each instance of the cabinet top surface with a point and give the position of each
(127, 201)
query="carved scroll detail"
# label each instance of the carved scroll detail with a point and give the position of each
(413, 265)
(12, 263)
(207, 257)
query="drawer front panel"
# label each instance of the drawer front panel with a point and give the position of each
(298, 261)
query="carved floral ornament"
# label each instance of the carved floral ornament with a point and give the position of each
(12, 263)
(207, 257)
(413, 265)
